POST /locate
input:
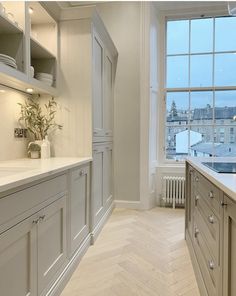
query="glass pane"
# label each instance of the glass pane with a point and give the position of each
(176, 142)
(201, 70)
(177, 37)
(177, 71)
(201, 35)
(225, 39)
(225, 69)
(201, 141)
(201, 107)
(225, 107)
(225, 141)
(177, 106)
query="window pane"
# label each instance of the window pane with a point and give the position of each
(201, 107)
(201, 141)
(201, 35)
(225, 37)
(201, 70)
(225, 107)
(177, 71)
(176, 142)
(225, 141)
(177, 37)
(225, 69)
(177, 106)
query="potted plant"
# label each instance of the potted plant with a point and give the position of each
(34, 150)
(39, 121)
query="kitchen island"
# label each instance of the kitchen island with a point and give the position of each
(210, 226)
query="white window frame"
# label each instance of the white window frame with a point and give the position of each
(163, 90)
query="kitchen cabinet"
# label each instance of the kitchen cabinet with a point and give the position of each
(18, 259)
(229, 248)
(102, 182)
(211, 235)
(79, 205)
(103, 81)
(44, 231)
(51, 243)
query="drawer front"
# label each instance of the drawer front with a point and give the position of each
(211, 232)
(209, 268)
(17, 203)
(209, 192)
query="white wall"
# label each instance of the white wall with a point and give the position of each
(122, 20)
(10, 147)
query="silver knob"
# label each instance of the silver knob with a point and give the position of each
(211, 219)
(196, 179)
(197, 197)
(81, 173)
(211, 264)
(41, 218)
(36, 221)
(211, 194)
(196, 232)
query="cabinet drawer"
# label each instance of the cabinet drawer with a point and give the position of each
(208, 191)
(209, 268)
(17, 203)
(210, 232)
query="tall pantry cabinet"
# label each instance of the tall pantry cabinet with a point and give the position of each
(88, 66)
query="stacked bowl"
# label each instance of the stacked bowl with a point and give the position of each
(45, 78)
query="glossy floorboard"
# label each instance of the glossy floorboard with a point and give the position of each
(138, 253)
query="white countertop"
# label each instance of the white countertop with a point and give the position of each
(226, 182)
(14, 173)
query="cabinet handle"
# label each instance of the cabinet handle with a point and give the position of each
(196, 179)
(36, 221)
(107, 133)
(211, 264)
(197, 197)
(95, 132)
(41, 218)
(81, 173)
(196, 232)
(211, 219)
(211, 194)
(223, 204)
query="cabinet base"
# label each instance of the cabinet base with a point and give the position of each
(200, 282)
(66, 274)
(98, 228)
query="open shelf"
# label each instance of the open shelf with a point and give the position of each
(8, 27)
(38, 51)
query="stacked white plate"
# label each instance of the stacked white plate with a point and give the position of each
(45, 78)
(7, 60)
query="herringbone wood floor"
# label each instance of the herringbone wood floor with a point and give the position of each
(138, 253)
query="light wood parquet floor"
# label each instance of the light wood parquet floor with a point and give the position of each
(138, 253)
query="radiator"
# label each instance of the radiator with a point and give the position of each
(173, 190)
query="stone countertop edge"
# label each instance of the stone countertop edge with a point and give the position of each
(36, 169)
(225, 182)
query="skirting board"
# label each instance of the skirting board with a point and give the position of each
(134, 205)
(66, 274)
(98, 228)
(200, 282)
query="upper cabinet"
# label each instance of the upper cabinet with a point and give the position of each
(104, 64)
(28, 47)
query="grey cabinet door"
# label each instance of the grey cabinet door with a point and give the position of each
(108, 94)
(97, 185)
(79, 205)
(51, 242)
(190, 199)
(98, 85)
(229, 249)
(107, 176)
(18, 263)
